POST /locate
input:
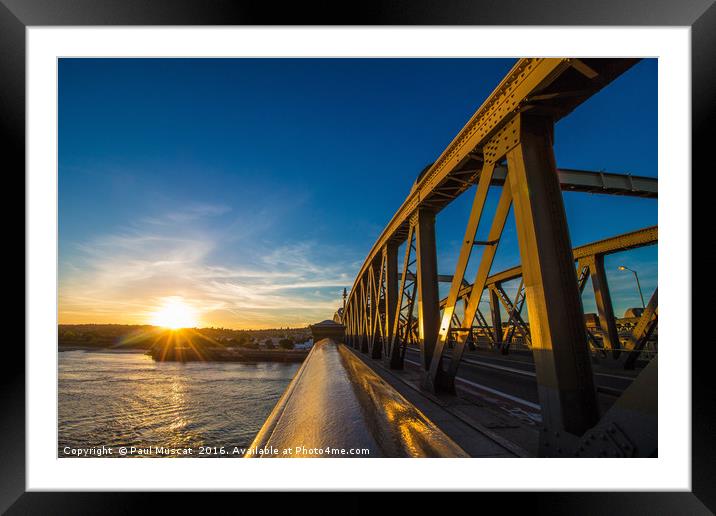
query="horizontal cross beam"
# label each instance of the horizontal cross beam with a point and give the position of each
(623, 242)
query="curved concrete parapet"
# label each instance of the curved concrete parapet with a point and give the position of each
(336, 404)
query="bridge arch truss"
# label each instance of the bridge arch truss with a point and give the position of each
(508, 143)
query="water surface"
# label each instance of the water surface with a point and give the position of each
(126, 399)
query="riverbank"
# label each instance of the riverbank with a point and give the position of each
(189, 354)
(95, 349)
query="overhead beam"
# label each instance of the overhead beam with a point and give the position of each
(589, 181)
(586, 181)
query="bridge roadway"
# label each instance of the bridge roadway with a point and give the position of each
(512, 379)
(496, 396)
(481, 430)
(342, 399)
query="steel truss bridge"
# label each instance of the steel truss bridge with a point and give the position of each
(508, 144)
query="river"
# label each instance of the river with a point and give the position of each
(118, 399)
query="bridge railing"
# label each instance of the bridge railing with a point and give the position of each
(337, 407)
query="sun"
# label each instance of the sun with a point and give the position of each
(174, 314)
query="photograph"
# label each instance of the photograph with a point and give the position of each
(428, 235)
(357, 257)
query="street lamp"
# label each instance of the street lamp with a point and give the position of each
(638, 285)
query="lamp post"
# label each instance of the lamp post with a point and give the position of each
(638, 285)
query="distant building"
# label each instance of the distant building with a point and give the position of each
(308, 344)
(328, 330)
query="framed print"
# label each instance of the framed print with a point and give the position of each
(423, 236)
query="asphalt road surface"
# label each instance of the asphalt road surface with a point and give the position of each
(514, 379)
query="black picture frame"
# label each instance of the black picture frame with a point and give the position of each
(17, 15)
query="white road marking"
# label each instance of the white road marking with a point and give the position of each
(528, 373)
(526, 403)
(490, 390)
(502, 368)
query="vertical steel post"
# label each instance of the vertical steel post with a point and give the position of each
(378, 296)
(354, 324)
(354, 316)
(349, 317)
(347, 323)
(358, 320)
(391, 291)
(559, 341)
(354, 321)
(351, 320)
(427, 280)
(364, 317)
(496, 317)
(395, 356)
(372, 308)
(604, 304)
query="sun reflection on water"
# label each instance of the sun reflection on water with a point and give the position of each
(127, 399)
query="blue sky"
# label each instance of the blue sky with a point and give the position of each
(252, 189)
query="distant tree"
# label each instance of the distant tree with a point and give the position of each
(285, 343)
(269, 344)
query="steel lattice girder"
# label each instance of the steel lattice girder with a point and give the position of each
(547, 86)
(642, 331)
(632, 240)
(515, 123)
(485, 263)
(394, 356)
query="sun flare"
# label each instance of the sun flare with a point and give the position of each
(175, 314)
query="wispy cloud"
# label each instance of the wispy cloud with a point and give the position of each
(189, 213)
(124, 276)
